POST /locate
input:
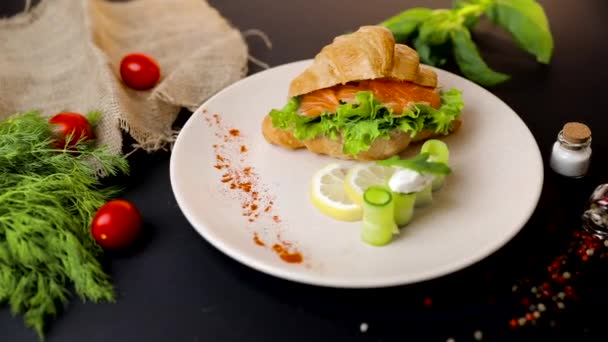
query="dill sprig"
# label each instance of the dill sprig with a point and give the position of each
(48, 197)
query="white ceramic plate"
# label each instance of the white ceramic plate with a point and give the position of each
(494, 189)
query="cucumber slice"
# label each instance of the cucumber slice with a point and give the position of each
(438, 182)
(377, 196)
(404, 208)
(437, 149)
(439, 152)
(424, 197)
(378, 216)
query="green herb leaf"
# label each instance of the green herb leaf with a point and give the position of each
(93, 118)
(470, 21)
(527, 22)
(436, 29)
(419, 164)
(47, 200)
(424, 51)
(444, 33)
(470, 62)
(431, 55)
(404, 24)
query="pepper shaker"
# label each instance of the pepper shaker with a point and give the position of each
(571, 152)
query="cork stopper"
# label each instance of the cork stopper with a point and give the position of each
(576, 132)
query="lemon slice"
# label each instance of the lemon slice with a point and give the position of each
(362, 176)
(329, 196)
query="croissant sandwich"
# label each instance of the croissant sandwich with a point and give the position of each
(365, 98)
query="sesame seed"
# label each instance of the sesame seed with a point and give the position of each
(561, 305)
(566, 275)
(450, 340)
(521, 321)
(606, 243)
(542, 307)
(533, 289)
(478, 335)
(513, 288)
(590, 252)
(561, 295)
(536, 314)
(363, 327)
(532, 307)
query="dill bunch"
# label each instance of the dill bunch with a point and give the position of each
(48, 198)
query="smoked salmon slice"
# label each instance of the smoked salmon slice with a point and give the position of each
(318, 102)
(346, 93)
(396, 95)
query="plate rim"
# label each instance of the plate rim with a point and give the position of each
(317, 280)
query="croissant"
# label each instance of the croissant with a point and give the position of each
(368, 53)
(367, 60)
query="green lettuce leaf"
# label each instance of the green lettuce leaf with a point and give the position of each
(366, 119)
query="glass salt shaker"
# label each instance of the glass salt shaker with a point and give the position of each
(571, 152)
(595, 216)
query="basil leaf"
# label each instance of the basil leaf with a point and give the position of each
(527, 22)
(470, 62)
(404, 24)
(436, 29)
(424, 51)
(471, 20)
(429, 55)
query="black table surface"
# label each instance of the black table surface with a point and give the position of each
(174, 286)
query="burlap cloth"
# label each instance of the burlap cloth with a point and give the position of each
(64, 55)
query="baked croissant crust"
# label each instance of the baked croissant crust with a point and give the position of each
(367, 54)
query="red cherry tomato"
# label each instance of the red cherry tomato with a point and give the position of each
(65, 124)
(139, 71)
(116, 224)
